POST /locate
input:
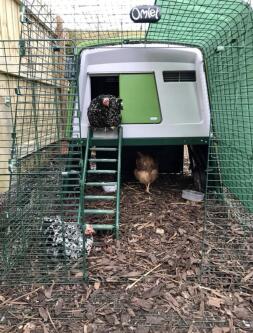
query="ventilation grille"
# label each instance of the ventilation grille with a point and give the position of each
(179, 76)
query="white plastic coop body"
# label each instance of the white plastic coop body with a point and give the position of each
(163, 88)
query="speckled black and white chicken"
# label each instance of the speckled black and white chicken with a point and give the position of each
(105, 111)
(62, 238)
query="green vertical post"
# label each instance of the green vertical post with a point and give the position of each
(83, 178)
(117, 221)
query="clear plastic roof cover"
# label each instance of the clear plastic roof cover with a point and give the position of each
(93, 15)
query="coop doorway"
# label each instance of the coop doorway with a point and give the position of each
(139, 94)
(104, 85)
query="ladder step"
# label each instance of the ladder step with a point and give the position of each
(103, 171)
(104, 149)
(102, 159)
(99, 211)
(103, 226)
(99, 197)
(105, 134)
(101, 183)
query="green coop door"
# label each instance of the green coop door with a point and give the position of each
(140, 99)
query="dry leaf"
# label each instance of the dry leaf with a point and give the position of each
(145, 225)
(132, 274)
(48, 291)
(108, 250)
(76, 313)
(97, 285)
(217, 329)
(125, 319)
(238, 298)
(43, 313)
(89, 292)
(185, 294)
(29, 327)
(214, 301)
(243, 313)
(91, 328)
(78, 275)
(171, 299)
(144, 304)
(90, 312)
(2, 299)
(130, 312)
(152, 292)
(116, 321)
(160, 231)
(226, 330)
(193, 329)
(153, 258)
(181, 231)
(58, 306)
(248, 276)
(142, 329)
(154, 320)
(45, 330)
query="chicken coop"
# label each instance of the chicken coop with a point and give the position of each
(151, 80)
(185, 80)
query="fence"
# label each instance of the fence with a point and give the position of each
(44, 105)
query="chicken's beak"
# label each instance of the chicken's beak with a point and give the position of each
(120, 103)
(105, 102)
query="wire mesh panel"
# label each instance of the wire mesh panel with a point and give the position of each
(224, 32)
(229, 209)
(41, 151)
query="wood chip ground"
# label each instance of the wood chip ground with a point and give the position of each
(147, 282)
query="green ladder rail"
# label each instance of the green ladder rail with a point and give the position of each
(86, 184)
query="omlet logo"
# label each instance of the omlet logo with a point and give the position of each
(145, 14)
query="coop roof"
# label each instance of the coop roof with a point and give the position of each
(202, 23)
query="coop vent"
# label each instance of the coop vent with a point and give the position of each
(179, 76)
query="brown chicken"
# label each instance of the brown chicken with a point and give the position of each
(146, 170)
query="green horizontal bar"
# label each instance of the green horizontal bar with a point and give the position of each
(99, 211)
(99, 197)
(103, 226)
(102, 159)
(101, 183)
(104, 149)
(153, 141)
(103, 171)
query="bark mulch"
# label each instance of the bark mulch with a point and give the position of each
(148, 281)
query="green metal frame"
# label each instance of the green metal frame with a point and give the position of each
(83, 178)
(156, 141)
(117, 222)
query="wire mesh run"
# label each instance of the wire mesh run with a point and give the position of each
(186, 279)
(42, 153)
